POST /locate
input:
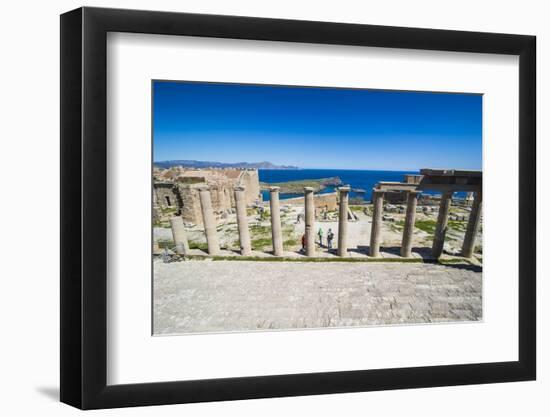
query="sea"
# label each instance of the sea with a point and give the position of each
(361, 181)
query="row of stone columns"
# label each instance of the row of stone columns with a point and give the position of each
(182, 246)
(474, 219)
(441, 226)
(410, 214)
(180, 236)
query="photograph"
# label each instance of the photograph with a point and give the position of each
(279, 208)
(283, 208)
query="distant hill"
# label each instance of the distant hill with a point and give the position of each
(211, 164)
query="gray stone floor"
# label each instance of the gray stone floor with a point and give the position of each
(223, 296)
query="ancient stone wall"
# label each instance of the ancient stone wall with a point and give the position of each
(178, 188)
(190, 207)
(165, 195)
(222, 196)
(322, 202)
(250, 180)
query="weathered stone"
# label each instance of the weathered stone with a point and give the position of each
(473, 226)
(178, 188)
(309, 208)
(199, 296)
(156, 248)
(377, 201)
(179, 235)
(242, 221)
(343, 221)
(441, 226)
(209, 222)
(276, 233)
(408, 230)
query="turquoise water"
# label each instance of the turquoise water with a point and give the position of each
(356, 179)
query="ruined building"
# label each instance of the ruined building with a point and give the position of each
(178, 188)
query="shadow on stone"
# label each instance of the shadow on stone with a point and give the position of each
(361, 249)
(464, 266)
(392, 250)
(424, 252)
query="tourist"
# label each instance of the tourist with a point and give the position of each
(330, 236)
(304, 242)
(320, 234)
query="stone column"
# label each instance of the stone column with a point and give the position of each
(156, 247)
(179, 235)
(309, 208)
(441, 227)
(473, 226)
(469, 198)
(209, 221)
(378, 204)
(406, 243)
(276, 234)
(242, 221)
(343, 222)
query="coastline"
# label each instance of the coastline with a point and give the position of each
(360, 181)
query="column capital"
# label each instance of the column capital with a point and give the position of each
(203, 188)
(344, 189)
(239, 188)
(308, 189)
(274, 189)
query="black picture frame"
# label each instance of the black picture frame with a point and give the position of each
(84, 207)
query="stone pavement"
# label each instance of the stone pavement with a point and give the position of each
(223, 296)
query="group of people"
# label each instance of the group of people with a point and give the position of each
(320, 234)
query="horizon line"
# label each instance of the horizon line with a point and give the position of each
(280, 165)
(297, 168)
(302, 168)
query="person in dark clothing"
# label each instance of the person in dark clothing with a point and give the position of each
(330, 236)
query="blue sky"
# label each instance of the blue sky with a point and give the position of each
(316, 127)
